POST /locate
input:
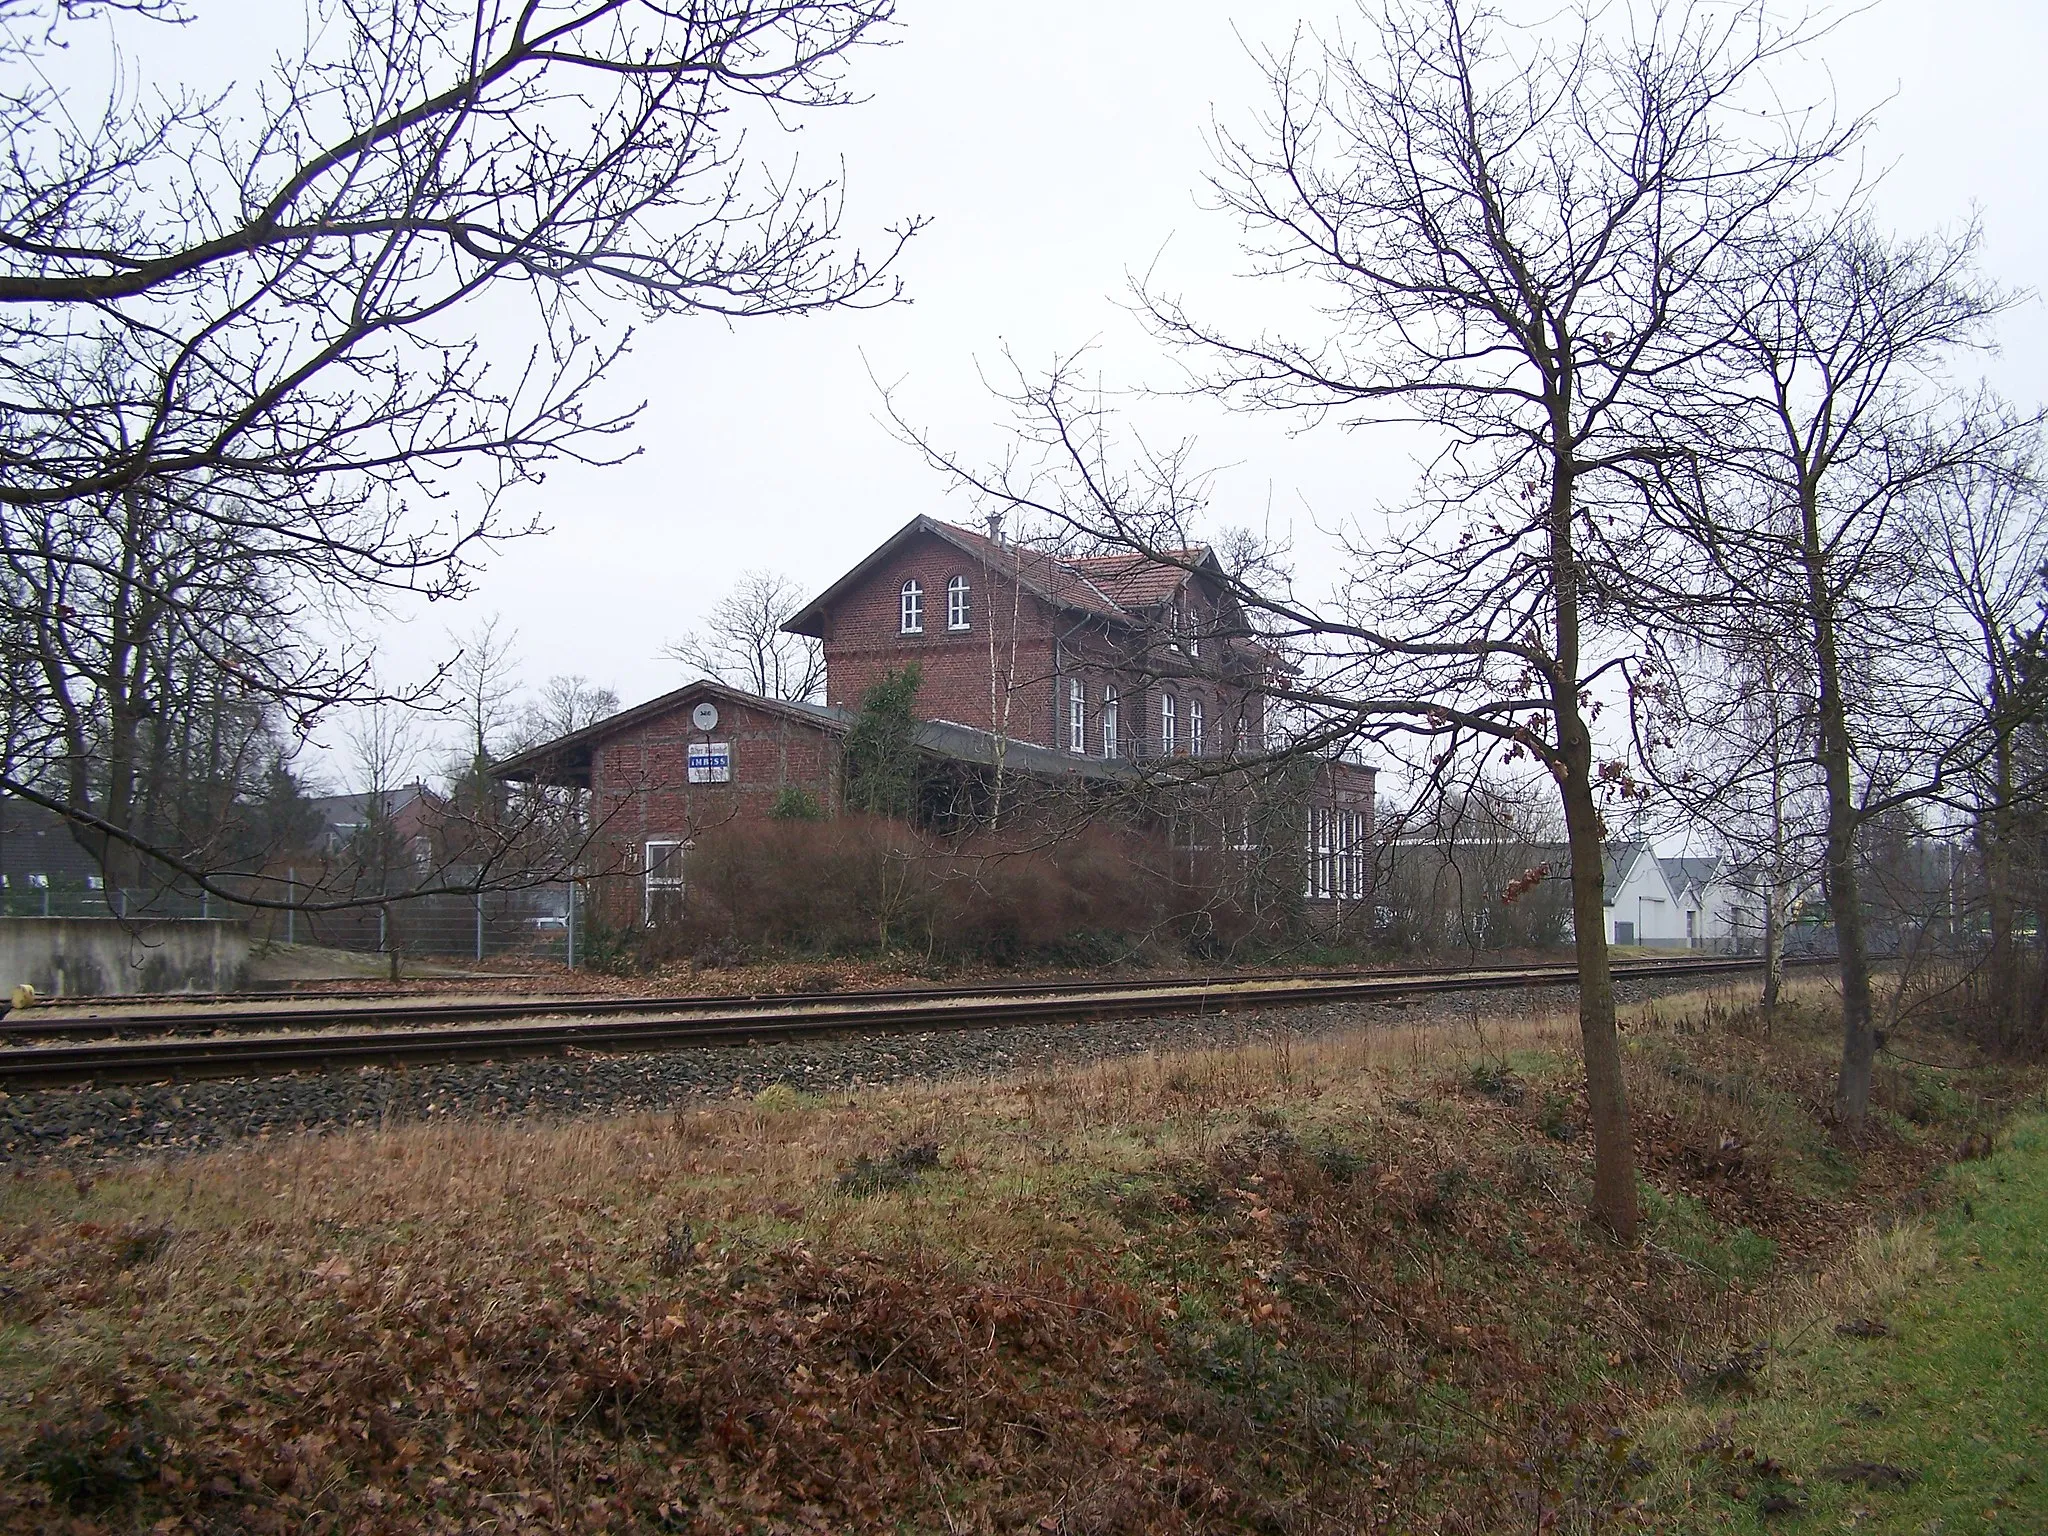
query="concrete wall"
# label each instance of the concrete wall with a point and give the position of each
(66, 956)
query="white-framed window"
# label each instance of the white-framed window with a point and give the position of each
(913, 607)
(1109, 712)
(1169, 725)
(1244, 736)
(665, 858)
(1077, 715)
(1336, 854)
(957, 611)
(1196, 745)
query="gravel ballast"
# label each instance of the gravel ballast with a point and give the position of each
(91, 1124)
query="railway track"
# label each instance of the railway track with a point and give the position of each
(95, 1018)
(260, 1041)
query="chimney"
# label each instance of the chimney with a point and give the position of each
(994, 522)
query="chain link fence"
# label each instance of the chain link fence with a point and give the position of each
(540, 922)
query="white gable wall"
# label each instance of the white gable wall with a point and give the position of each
(1645, 909)
(1732, 915)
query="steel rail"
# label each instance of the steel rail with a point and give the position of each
(107, 1018)
(187, 1057)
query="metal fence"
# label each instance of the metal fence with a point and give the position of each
(541, 922)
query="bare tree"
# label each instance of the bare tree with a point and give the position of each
(742, 642)
(1724, 725)
(1518, 240)
(252, 316)
(566, 703)
(1839, 432)
(139, 622)
(1987, 528)
(481, 683)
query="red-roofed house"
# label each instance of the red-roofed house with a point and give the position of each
(1104, 656)
(1073, 673)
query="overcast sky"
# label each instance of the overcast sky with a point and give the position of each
(1057, 147)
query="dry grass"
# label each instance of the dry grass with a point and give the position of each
(1338, 1284)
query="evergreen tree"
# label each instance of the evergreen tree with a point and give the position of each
(881, 747)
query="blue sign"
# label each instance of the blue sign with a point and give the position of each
(710, 762)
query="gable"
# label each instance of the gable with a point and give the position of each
(1042, 575)
(567, 759)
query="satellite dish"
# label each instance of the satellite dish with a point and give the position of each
(705, 717)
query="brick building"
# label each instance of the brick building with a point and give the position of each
(1108, 656)
(1114, 675)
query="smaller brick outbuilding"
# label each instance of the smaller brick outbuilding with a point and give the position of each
(662, 773)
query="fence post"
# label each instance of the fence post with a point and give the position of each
(46, 895)
(291, 912)
(479, 924)
(383, 918)
(205, 904)
(569, 926)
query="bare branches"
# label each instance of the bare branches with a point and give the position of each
(1520, 241)
(243, 380)
(742, 642)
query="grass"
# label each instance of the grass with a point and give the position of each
(1944, 1414)
(1340, 1285)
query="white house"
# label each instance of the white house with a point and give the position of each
(1640, 907)
(1728, 904)
(1678, 903)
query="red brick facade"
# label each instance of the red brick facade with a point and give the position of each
(639, 779)
(1034, 626)
(1004, 637)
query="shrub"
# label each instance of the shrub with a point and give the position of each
(795, 803)
(881, 749)
(862, 883)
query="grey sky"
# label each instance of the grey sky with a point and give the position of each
(1058, 146)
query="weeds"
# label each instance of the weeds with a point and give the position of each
(898, 1170)
(1306, 1288)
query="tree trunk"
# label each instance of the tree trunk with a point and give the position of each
(1614, 1170)
(1844, 896)
(1774, 949)
(1859, 1039)
(1614, 1158)
(1776, 897)
(1994, 846)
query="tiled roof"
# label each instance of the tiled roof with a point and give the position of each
(1114, 587)
(566, 760)
(1139, 581)
(34, 841)
(1058, 581)
(1696, 872)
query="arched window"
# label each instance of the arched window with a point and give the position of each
(1196, 745)
(956, 603)
(1244, 736)
(1077, 715)
(1109, 721)
(913, 607)
(1169, 725)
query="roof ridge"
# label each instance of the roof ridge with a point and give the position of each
(1015, 553)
